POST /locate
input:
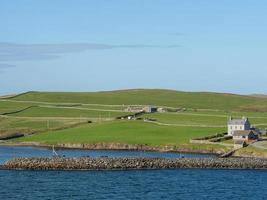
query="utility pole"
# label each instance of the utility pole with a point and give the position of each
(47, 124)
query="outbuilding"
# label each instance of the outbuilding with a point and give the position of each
(150, 109)
(245, 135)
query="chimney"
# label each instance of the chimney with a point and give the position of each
(245, 118)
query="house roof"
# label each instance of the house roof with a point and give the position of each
(244, 133)
(242, 121)
(239, 142)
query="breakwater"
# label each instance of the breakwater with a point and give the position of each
(87, 163)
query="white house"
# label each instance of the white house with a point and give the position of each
(238, 125)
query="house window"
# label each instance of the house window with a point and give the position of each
(231, 127)
(240, 127)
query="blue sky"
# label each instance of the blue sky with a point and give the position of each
(91, 45)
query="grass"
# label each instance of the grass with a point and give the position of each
(206, 114)
(7, 106)
(66, 112)
(26, 126)
(222, 113)
(251, 152)
(188, 119)
(202, 118)
(195, 100)
(129, 132)
(33, 123)
(104, 107)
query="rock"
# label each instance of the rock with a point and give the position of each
(105, 163)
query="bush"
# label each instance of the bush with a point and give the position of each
(218, 135)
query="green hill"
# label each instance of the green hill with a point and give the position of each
(194, 100)
(92, 117)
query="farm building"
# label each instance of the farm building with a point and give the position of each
(147, 109)
(238, 125)
(245, 135)
(135, 109)
(150, 109)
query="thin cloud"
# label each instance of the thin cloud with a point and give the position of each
(20, 52)
(4, 65)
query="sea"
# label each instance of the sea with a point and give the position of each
(127, 184)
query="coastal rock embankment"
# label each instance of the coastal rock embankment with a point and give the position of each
(87, 163)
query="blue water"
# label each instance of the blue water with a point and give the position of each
(144, 184)
(7, 153)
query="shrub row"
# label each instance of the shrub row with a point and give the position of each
(217, 135)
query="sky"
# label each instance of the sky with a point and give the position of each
(96, 45)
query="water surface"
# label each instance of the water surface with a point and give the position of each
(145, 184)
(7, 153)
(134, 184)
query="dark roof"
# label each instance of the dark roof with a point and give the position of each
(238, 121)
(239, 142)
(244, 133)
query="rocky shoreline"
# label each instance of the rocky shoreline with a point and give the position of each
(87, 163)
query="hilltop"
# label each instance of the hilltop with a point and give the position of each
(157, 97)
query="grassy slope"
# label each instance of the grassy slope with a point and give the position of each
(138, 132)
(199, 118)
(170, 98)
(66, 112)
(6, 106)
(16, 123)
(131, 132)
(26, 126)
(11, 123)
(251, 152)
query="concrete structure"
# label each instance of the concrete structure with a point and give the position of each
(161, 110)
(136, 109)
(150, 109)
(245, 135)
(238, 125)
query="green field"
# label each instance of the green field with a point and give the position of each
(195, 100)
(130, 132)
(66, 112)
(29, 116)
(7, 106)
(204, 114)
(216, 119)
(28, 126)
